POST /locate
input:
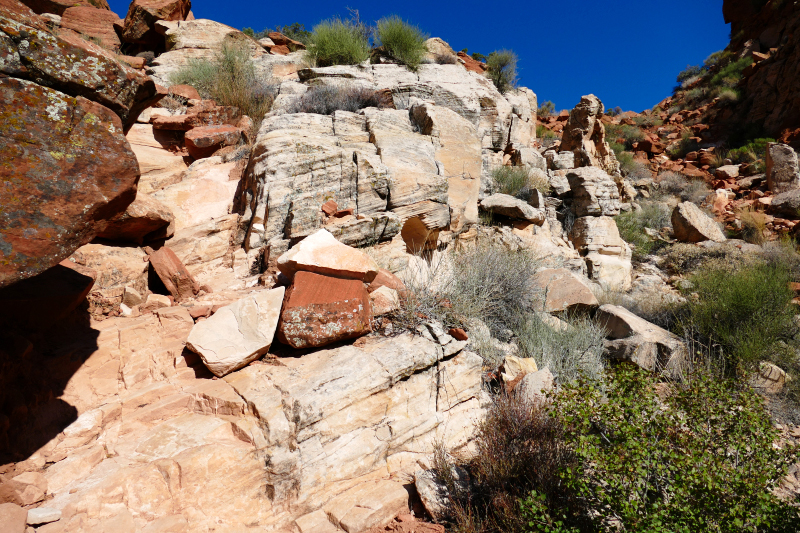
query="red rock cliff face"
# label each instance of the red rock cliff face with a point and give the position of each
(773, 87)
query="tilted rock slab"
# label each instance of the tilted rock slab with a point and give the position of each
(636, 340)
(66, 169)
(783, 171)
(238, 333)
(594, 192)
(690, 224)
(561, 291)
(323, 254)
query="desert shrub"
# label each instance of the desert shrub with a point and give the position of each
(750, 151)
(570, 352)
(230, 79)
(727, 95)
(731, 73)
(445, 59)
(337, 42)
(688, 190)
(518, 181)
(744, 309)
(700, 458)
(502, 69)
(634, 169)
(546, 109)
(690, 71)
(717, 58)
(326, 99)
(629, 134)
(544, 133)
(401, 40)
(478, 57)
(653, 216)
(682, 258)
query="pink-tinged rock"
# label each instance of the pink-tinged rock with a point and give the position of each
(208, 115)
(178, 281)
(320, 252)
(73, 66)
(143, 14)
(563, 291)
(66, 169)
(93, 22)
(203, 142)
(13, 518)
(41, 301)
(58, 7)
(384, 301)
(282, 40)
(387, 279)
(330, 208)
(184, 91)
(145, 219)
(321, 310)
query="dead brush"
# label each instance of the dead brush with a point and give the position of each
(754, 226)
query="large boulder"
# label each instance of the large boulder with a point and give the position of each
(783, 172)
(321, 310)
(786, 204)
(94, 23)
(67, 170)
(607, 255)
(70, 65)
(585, 135)
(142, 16)
(238, 333)
(594, 192)
(508, 206)
(636, 340)
(690, 224)
(323, 254)
(563, 291)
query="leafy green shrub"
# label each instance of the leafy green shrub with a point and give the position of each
(699, 459)
(502, 69)
(629, 134)
(631, 225)
(337, 42)
(544, 133)
(518, 181)
(731, 73)
(231, 80)
(745, 310)
(683, 147)
(546, 109)
(401, 40)
(690, 71)
(751, 151)
(326, 99)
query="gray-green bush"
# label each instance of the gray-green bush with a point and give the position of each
(326, 99)
(402, 41)
(518, 181)
(502, 69)
(337, 42)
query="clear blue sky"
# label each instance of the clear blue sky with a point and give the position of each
(627, 52)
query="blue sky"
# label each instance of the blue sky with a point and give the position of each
(627, 52)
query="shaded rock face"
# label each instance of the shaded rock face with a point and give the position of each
(30, 51)
(585, 135)
(66, 167)
(58, 7)
(142, 16)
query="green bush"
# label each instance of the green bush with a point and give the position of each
(689, 72)
(743, 309)
(544, 133)
(337, 42)
(518, 181)
(631, 225)
(699, 458)
(629, 134)
(402, 41)
(502, 69)
(546, 109)
(751, 151)
(231, 80)
(295, 31)
(731, 73)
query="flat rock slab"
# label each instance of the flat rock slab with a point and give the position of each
(508, 206)
(690, 224)
(43, 515)
(66, 168)
(371, 504)
(204, 141)
(564, 291)
(320, 310)
(323, 254)
(238, 333)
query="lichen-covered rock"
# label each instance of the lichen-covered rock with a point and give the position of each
(29, 50)
(67, 170)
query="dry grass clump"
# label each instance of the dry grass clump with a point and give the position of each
(519, 181)
(688, 190)
(326, 99)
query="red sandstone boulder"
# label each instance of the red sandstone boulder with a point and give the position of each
(145, 219)
(72, 66)
(387, 279)
(184, 91)
(179, 282)
(321, 310)
(281, 40)
(59, 6)
(66, 169)
(143, 14)
(93, 22)
(208, 114)
(204, 141)
(471, 64)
